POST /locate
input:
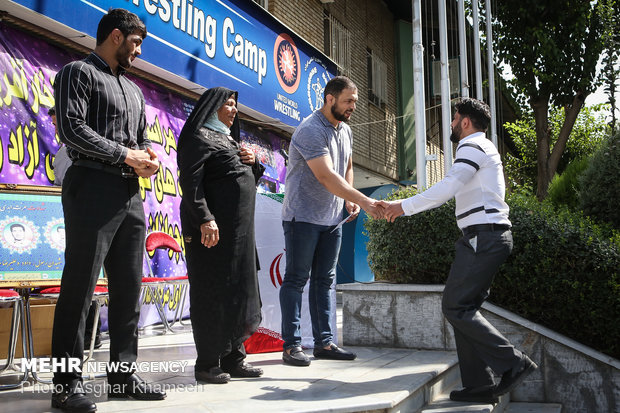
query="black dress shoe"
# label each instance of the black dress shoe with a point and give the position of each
(74, 401)
(136, 388)
(513, 377)
(296, 357)
(214, 375)
(482, 394)
(334, 352)
(244, 370)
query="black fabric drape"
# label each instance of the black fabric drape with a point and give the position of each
(225, 306)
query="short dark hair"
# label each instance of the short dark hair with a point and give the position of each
(476, 110)
(336, 85)
(17, 225)
(120, 19)
(52, 111)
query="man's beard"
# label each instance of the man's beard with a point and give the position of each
(455, 136)
(123, 57)
(339, 116)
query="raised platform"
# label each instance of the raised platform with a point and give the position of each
(380, 380)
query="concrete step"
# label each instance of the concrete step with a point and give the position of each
(443, 404)
(519, 407)
(422, 393)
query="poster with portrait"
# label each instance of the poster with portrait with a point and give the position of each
(32, 237)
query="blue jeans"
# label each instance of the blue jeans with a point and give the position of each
(311, 252)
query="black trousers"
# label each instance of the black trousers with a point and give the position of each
(104, 222)
(481, 348)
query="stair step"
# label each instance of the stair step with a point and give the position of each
(443, 404)
(518, 407)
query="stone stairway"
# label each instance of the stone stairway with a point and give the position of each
(441, 403)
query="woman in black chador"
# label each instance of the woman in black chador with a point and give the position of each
(218, 179)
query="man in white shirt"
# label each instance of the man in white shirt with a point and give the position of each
(476, 181)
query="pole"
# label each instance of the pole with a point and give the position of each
(446, 110)
(418, 94)
(463, 50)
(491, 75)
(477, 58)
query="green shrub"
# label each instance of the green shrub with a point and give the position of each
(563, 272)
(600, 183)
(564, 188)
(423, 244)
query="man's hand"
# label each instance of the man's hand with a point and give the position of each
(352, 209)
(210, 234)
(144, 162)
(373, 207)
(393, 210)
(247, 156)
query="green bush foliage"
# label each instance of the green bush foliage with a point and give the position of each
(564, 188)
(563, 272)
(600, 183)
(421, 244)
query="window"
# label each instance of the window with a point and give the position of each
(377, 78)
(453, 74)
(337, 43)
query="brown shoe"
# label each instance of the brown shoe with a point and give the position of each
(214, 375)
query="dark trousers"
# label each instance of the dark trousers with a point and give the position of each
(481, 348)
(104, 221)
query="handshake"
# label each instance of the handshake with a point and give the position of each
(377, 209)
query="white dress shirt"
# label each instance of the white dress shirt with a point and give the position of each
(476, 181)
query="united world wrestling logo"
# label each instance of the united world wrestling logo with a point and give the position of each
(318, 76)
(274, 271)
(286, 63)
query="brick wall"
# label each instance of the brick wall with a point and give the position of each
(371, 25)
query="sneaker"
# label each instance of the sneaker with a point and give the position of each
(481, 394)
(334, 353)
(515, 376)
(297, 357)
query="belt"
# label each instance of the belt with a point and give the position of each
(485, 227)
(125, 171)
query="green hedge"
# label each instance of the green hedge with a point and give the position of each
(564, 188)
(600, 185)
(563, 272)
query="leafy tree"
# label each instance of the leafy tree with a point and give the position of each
(588, 131)
(552, 47)
(610, 12)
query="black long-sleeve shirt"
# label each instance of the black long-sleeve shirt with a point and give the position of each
(99, 115)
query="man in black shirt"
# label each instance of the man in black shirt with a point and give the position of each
(101, 119)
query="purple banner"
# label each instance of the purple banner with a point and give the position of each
(28, 142)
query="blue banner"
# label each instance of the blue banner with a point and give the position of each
(217, 43)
